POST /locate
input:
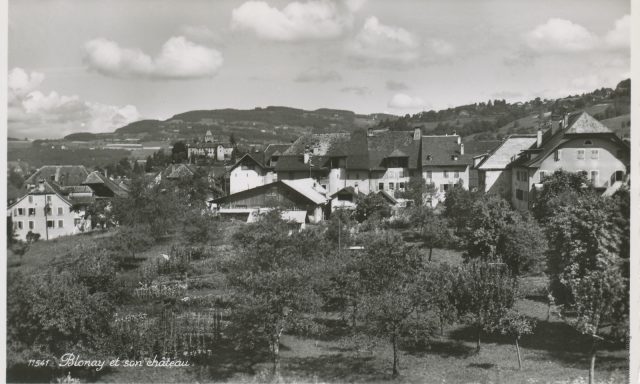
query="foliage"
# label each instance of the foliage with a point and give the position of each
(432, 228)
(489, 216)
(515, 325)
(130, 240)
(274, 277)
(437, 292)
(559, 189)
(199, 228)
(522, 246)
(371, 207)
(339, 228)
(179, 152)
(457, 205)
(418, 191)
(484, 293)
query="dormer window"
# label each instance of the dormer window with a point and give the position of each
(454, 157)
(429, 157)
(588, 142)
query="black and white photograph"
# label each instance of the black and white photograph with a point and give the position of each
(319, 191)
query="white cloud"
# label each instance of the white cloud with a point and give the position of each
(383, 42)
(318, 75)
(298, 21)
(179, 58)
(403, 101)
(560, 35)
(33, 113)
(620, 35)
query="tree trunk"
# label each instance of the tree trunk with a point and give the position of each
(354, 314)
(394, 341)
(441, 326)
(478, 341)
(275, 353)
(430, 253)
(518, 351)
(592, 365)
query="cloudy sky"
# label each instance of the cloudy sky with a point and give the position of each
(95, 65)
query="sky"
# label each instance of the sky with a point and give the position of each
(95, 65)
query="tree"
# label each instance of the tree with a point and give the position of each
(515, 325)
(484, 293)
(371, 207)
(391, 289)
(457, 205)
(199, 228)
(586, 269)
(561, 188)
(418, 191)
(522, 246)
(434, 230)
(274, 277)
(179, 152)
(438, 293)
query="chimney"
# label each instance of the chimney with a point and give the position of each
(417, 133)
(565, 121)
(41, 186)
(459, 140)
(539, 138)
(462, 148)
(356, 189)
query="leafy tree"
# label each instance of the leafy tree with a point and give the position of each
(484, 293)
(522, 246)
(418, 191)
(179, 152)
(438, 293)
(371, 207)
(339, 228)
(515, 325)
(274, 277)
(391, 289)
(457, 205)
(489, 217)
(434, 229)
(199, 228)
(561, 188)
(131, 240)
(586, 269)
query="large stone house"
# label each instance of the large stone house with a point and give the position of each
(51, 211)
(210, 148)
(578, 143)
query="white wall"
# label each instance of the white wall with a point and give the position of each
(39, 221)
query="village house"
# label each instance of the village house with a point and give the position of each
(51, 211)
(290, 195)
(578, 143)
(104, 187)
(494, 174)
(63, 175)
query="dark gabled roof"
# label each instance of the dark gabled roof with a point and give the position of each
(48, 188)
(444, 151)
(321, 146)
(96, 179)
(64, 175)
(303, 187)
(274, 150)
(244, 159)
(348, 190)
(391, 143)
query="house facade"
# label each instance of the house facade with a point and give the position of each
(209, 148)
(50, 211)
(578, 143)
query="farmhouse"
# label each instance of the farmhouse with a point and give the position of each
(578, 143)
(63, 175)
(291, 195)
(51, 211)
(210, 148)
(104, 187)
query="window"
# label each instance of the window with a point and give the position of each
(380, 186)
(52, 177)
(60, 211)
(588, 142)
(519, 194)
(580, 154)
(31, 224)
(456, 175)
(17, 225)
(30, 199)
(32, 211)
(20, 211)
(446, 174)
(401, 186)
(48, 199)
(543, 175)
(76, 222)
(60, 223)
(391, 186)
(50, 224)
(594, 178)
(595, 154)
(558, 155)
(429, 175)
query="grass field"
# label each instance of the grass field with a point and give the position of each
(555, 353)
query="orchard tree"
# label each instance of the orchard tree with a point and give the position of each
(179, 152)
(457, 205)
(389, 275)
(516, 325)
(434, 230)
(522, 246)
(418, 191)
(275, 277)
(484, 293)
(559, 189)
(372, 207)
(437, 292)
